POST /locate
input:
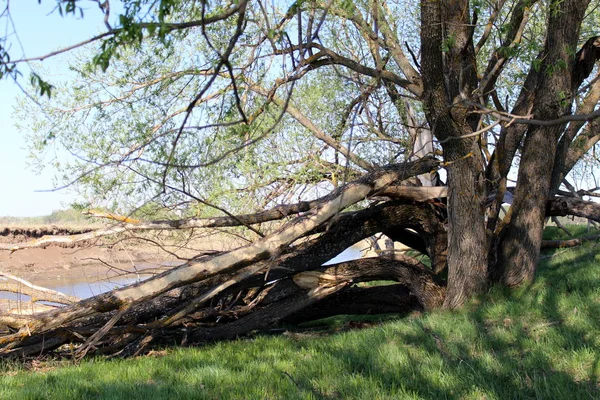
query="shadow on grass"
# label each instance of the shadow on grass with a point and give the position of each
(539, 342)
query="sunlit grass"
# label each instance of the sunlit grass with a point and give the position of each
(536, 342)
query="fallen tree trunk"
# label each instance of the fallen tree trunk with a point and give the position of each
(389, 299)
(224, 271)
(265, 307)
(279, 278)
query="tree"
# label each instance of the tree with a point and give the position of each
(197, 103)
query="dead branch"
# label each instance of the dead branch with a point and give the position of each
(14, 284)
(270, 246)
(408, 193)
(559, 244)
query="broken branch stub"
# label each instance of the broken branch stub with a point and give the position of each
(328, 206)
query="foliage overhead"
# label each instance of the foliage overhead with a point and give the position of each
(249, 112)
(154, 102)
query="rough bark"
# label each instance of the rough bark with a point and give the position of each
(217, 277)
(520, 246)
(448, 78)
(563, 206)
(290, 287)
(467, 246)
(394, 299)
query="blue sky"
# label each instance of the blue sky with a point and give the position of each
(40, 32)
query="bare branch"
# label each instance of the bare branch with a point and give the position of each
(489, 25)
(525, 120)
(168, 27)
(14, 284)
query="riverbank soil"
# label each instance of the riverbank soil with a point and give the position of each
(102, 264)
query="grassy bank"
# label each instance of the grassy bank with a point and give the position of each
(537, 342)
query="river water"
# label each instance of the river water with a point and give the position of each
(94, 284)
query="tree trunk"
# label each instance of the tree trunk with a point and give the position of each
(289, 287)
(520, 245)
(447, 78)
(467, 247)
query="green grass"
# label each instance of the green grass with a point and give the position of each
(537, 342)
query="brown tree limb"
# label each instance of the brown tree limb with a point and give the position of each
(396, 299)
(408, 193)
(562, 206)
(14, 284)
(512, 119)
(408, 271)
(329, 57)
(267, 247)
(559, 244)
(397, 192)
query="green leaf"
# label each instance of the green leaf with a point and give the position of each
(44, 87)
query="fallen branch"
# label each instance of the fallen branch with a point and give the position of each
(558, 244)
(408, 271)
(268, 247)
(14, 284)
(127, 224)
